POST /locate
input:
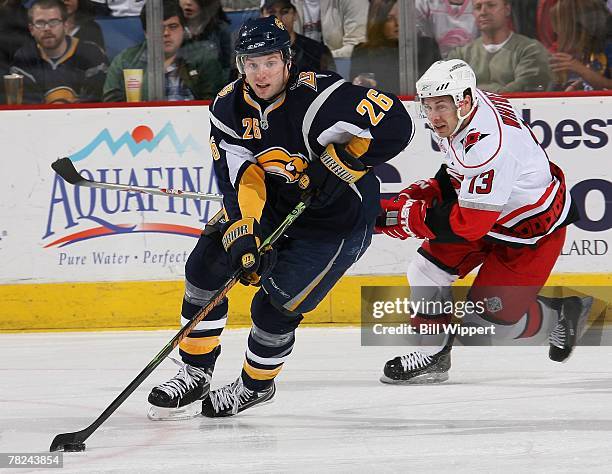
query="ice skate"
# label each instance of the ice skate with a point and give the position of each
(234, 398)
(417, 367)
(179, 398)
(572, 322)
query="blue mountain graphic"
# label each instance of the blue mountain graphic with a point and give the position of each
(135, 148)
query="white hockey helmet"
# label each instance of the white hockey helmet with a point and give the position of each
(452, 77)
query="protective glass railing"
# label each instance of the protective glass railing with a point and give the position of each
(74, 51)
(518, 46)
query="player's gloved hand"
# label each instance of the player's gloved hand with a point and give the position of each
(241, 240)
(427, 190)
(402, 218)
(328, 177)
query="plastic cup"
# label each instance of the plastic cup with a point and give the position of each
(13, 88)
(132, 79)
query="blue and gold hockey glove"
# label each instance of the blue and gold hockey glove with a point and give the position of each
(241, 240)
(329, 177)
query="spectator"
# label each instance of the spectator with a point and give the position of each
(544, 29)
(340, 24)
(584, 54)
(502, 60)
(119, 7)
(191, 72)
(13, 31)
(56, 67)
(80, 23)
(207, 23)
(308, 54)
(449, 22)
(375, 63)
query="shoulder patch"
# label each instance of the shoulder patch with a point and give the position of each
(308, 79)
(226, 90)
(479, 148)
(473, 137)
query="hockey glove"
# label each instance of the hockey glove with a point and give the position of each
(427, 190)
(329, 177)
(241, 240)
(402, 218)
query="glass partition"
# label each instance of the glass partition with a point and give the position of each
(72, 51)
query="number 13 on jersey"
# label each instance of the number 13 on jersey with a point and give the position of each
(366, 106)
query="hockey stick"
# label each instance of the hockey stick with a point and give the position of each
(65, 168)
(75, 441)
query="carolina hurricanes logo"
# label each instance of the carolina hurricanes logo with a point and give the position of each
(279, 162)
(472, 138)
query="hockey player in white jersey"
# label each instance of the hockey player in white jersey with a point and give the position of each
(497, 202)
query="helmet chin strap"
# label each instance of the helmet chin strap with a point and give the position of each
(462, 118)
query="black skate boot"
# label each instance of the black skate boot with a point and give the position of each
(234, 398)
(179, 398)
(418, 368)
(573, 315)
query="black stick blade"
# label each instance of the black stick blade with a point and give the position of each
(63, 440)
(65, 168)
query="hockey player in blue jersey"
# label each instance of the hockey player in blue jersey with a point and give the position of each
(271, 130)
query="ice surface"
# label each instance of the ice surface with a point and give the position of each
(504, 409)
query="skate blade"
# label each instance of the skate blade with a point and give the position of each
(424, 379)
(172, 414)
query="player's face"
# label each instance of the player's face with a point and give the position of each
(491, 15)
(442, 114)
(173, 36)
(47, 27)
(267, 75)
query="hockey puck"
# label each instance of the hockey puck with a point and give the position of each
(74, 447)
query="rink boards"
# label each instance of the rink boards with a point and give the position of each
(75, 258)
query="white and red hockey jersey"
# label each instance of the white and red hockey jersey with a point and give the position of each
(507, 188)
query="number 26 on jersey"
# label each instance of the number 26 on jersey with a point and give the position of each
(367, 106)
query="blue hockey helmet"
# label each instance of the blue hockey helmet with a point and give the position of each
(262, 36)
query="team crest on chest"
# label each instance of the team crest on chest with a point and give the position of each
(473, 137)
(280, 162)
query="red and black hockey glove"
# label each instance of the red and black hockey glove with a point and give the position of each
(402, 218)
(427, 190)
(329, 177)
(241, 240)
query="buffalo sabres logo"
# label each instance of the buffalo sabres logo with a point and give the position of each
(280, 162)
(226, 90)
(472, 138)
(308, 79)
